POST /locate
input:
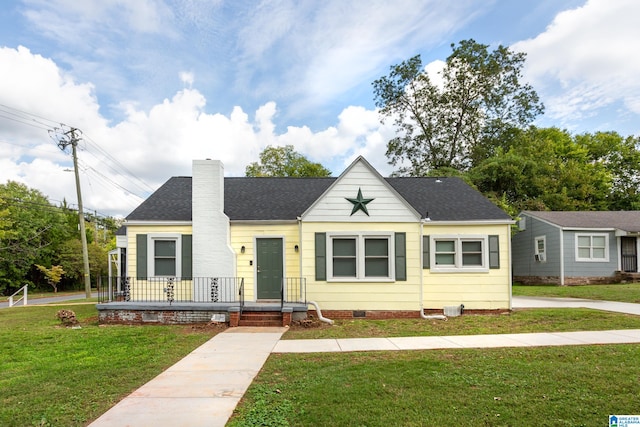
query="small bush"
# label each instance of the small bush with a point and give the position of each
(67, 317)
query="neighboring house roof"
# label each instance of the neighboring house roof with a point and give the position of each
(253, 199)
(622, 220)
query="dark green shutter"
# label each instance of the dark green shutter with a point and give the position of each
(426, 263)
(141, 256)
(494, 251)
(187, 259)
(321, 256)
(401, 256)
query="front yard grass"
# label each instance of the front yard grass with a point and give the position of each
(623, 292)
(520, 321)
(546, 386)
(57, 376)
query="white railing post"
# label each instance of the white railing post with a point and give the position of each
(23, 298)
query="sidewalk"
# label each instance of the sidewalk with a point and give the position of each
(626, 336)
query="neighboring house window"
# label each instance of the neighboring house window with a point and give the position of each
(459, 253)
(592, 247)
(540, 250)
(360, 257)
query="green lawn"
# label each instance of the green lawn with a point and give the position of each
(552, 386)
(56, 376)
(627, 292)
(520, 321)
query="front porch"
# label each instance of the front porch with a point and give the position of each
(172, 300)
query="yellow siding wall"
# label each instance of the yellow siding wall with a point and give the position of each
(486, 290)
(153, 290)
(245, 235)
(481, 291)
(400, 295)
(134, 230)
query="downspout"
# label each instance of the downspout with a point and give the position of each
(422, 315)
(510, 267)
(319, 313)
(313, 303)
(561, 256)
(299, 245)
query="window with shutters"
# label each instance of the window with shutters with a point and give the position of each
(360, 257)
(164, 255)
(459, 253)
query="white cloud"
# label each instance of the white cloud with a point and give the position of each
(587, 56)
(187, 78)
(326, 50)
(124, 160)
(434, 71)
(74, 21)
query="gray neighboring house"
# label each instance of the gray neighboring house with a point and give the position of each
(581, 247)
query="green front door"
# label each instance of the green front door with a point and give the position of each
(269, 269)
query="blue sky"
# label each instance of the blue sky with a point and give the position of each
(153, 84)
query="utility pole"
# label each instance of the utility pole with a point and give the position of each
(64, 139)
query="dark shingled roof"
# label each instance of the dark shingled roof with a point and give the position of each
(623, 220)
(444, 199)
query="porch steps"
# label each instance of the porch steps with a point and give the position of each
(260, 318)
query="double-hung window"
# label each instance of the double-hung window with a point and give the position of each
(360, 257)
(164, 257)
(164, 260)
(454, 253)
(540, 249)
(592, 247)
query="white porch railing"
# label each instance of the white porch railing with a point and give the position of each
(23, 298)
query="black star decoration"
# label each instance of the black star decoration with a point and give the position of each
(359, 203)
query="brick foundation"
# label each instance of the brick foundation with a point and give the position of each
(120, 316)
(381, 315)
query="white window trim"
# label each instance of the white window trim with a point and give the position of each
(591, 259)
(540, 256)
(360, 259)
(458, 267)
(151, 252)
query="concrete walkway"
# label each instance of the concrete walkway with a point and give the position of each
(204, 388)
(544, 302)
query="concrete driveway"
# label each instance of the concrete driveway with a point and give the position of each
(545, 302)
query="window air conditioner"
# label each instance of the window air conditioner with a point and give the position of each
(540, 257)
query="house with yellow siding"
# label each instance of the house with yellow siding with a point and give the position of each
(359, 245)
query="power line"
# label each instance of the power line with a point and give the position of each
(30, 119)
(119, 164)
(23, 122)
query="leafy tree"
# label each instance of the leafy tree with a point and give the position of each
(546, 169)
(70, 258)
(36, 227)
(480, 104)
(285, 161)
(53, 275)
(621, 157)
